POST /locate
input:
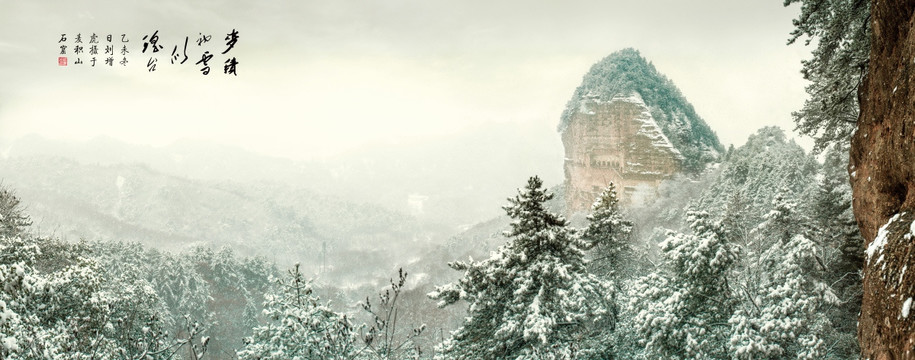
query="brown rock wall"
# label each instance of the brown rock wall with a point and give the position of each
(882, 173)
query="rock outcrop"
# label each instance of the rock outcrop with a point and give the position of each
(616, 140)
(882, 172)
(629, 124)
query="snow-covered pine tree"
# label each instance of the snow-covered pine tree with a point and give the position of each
(831, 212)
(681, 310)
(784, 221)
(786, 317)
(56, 302)
(12, 221)
(783, 314)
(736, 222)
(228, 295)
(836, 231)
(768, 162)
(838, 65)
(182, 288)
(607, 235)
(533, 298)
(300, 327)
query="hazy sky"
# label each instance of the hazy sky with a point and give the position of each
(319, 77)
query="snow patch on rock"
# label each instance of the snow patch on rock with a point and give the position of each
(906, 307)
(879, 242)
(650, 127)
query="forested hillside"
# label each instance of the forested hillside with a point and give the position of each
(758, 257)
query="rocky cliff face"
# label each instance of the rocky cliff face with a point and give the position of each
(882, 173)
(629, 124)
(616, 140)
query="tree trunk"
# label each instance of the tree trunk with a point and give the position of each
(882, 169)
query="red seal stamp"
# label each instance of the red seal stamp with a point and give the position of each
(62, 61)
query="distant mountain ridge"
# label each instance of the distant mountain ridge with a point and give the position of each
(425, 177)
(281, 223)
